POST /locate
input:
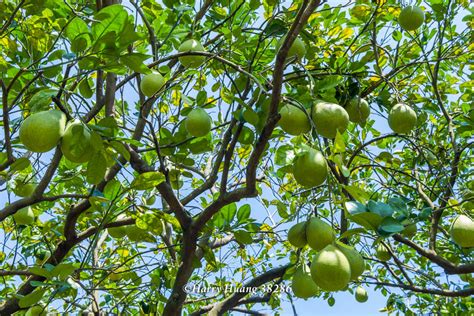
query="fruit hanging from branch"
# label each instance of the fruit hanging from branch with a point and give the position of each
(297, 49)
(462, 231)
(358, 110)
(293, 120)
(41, 131)
(402, 119)
(297, 235)
(76, 144)
(310, 169)
(319, 234)
(329, 118)
(198, 122)
(302, 283)
(191, 61)
(411, 18)
(151, 83)
(330, 269)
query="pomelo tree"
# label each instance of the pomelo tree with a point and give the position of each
(193, 184)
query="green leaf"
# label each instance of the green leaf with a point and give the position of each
(85, 89)
(354, 207)
(40, 271)
(351, 232)
(243, 237)
(112, 189)
(339, 144)
(391, 225)
(228, 212)
(32, 298)
(75, 28)
(359, 194)
(201, 98)
(150, 222)
(147, 180)
(380, 208)
(63, 270)
(284, 155)
(243, 213)
(111, 21)
(135, 61)
(366, 219)
(96, 168)
(120, 148)
(41, 100)
(20, 164)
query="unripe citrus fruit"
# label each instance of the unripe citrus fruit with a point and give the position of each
(319, 234)
(297, 49)
(411, 18)
(297, 235)
(152, 83)
(310, 169)
(382, 253)
(330, 269)
(198, 122)
(302, 284)
(355, 260)
(329, 118)
(41, 132)
(402, 118)
(191, 61)
(462, 231)
(293, 120)
(358, 110)
(76, 144)
(24, 216)
(361, 295)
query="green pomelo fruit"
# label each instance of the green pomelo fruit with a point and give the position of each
(302, 283)
(198, 122)
(358, 110)
(41, 132)
(76, 144)
(191, 61)
(462, 231)
(24, 216)
(297, 49)
(411, 18)
(330, 269)
(382, 253)
(402, 119)
(297, 235)
(293, 120)
(361, 295)
(310, 169)
(329, 118)
(152, 83)
(319, 234)
(355, 260)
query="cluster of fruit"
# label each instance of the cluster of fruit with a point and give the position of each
(42, 131)
(334, 265)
